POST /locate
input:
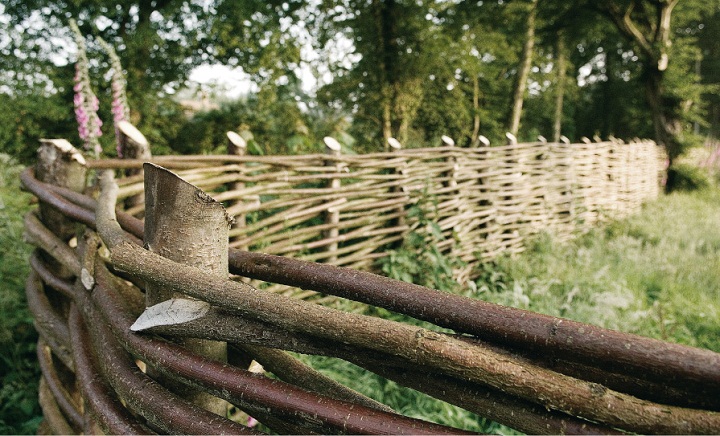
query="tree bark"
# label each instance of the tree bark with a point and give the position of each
(666, 124)
(184, 224)
(385, 30)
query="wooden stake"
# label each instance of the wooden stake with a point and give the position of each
(59, 164)
(184, 224)
(332, 217)
(237, 146)
(133, 145)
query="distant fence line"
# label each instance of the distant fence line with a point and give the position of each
(348, 209)
(144, 330)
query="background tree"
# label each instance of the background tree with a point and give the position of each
(157, 42)
(410, 69)
(523, 69)
(648, 25)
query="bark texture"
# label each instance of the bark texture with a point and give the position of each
(184, 224)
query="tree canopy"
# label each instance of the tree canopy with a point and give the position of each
(413, 70)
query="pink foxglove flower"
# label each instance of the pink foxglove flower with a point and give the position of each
(120, 108)
(86, 103)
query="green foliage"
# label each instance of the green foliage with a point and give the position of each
(19, 372)
(26, 119)
(278, 127)
(409, 65)
(419, 260)
(686, 177)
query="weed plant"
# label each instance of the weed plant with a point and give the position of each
(19, 372)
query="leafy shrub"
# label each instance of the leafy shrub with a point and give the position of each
(684, 177)
(419, 259)
(19, 372)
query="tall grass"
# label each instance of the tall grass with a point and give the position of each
(19, 373)
(656, 273)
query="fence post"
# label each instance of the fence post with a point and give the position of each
(59, 164)
(447, 141)
(396, 146)
(183, 224)
(332, 217)
(237, 146)
(132, 144)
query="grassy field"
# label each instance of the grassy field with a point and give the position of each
(656, 274)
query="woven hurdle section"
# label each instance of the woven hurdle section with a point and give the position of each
(111, 364)
(487, 201)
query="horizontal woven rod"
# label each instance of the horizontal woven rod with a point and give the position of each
(249, 195)
(75, 206)
(117, 164)
(293, 371)
(286, 218)
(240, 386)
(304, 233)
(521, 415)
(369, 245)
(249, 203)
(364, 258)
(164, 410)
(99, 396)
(552, 390)
(65, 403)
(385, 213)
(657, 391)
(362, 232)
(644, 356)
(176, 161)
(497, 406)
(282, 188)
(49, 324)
(52, 416)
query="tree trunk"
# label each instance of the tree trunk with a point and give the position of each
(667, 125)
(385, 30)
(523, 71)
(559, 86)
(653, 47)
(474, 137)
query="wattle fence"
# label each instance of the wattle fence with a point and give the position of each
(150, 325)
(348, 210)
